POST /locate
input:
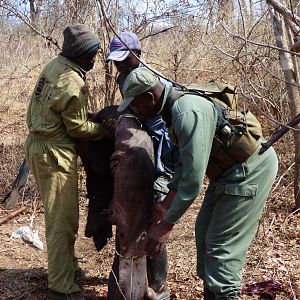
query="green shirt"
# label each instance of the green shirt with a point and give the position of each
(58, 106)
(194, 122)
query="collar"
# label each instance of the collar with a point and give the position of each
(72, 65)
(167, 92)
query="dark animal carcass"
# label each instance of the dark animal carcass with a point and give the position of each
(133, 188)
(95, 156)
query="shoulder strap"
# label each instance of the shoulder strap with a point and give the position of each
(166, 112)
(222, 113)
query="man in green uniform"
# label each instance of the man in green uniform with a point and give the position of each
(234, 200)
(57, 113)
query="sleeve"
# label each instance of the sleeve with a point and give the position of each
(194, 131)
(75, 118)
(173, 185)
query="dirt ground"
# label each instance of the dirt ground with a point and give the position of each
(273, 258)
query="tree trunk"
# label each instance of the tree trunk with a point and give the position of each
(225, 10)
(35, 8)
(288, 15)
(251, 10)
(32, 11)
(292, 91)
(244, 11)
(110, 83)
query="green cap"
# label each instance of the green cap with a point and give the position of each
(139, 81)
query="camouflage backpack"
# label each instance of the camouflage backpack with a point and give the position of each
(238, 132)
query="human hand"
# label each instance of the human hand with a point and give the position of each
(156, 237)
(161, 208)
(158, 213)
(91, 116)
(109, 128)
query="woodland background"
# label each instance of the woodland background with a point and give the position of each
(250, 44)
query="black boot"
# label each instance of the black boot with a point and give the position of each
(157, 269)
(114, 273)
(208, 294)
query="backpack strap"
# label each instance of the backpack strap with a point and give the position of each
(222, 113)
(167, 110)
(232, 143)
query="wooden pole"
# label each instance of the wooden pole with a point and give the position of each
(11, 215)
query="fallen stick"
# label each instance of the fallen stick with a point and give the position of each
(11, 215)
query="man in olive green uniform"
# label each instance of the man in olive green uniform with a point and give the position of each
(234, 200)
(57, 113)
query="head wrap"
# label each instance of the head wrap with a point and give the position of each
(79, 40)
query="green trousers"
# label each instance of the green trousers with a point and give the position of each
(56, 177)
(228, 220)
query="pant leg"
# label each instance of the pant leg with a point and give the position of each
(59, 191)
(160, 188)
(157, 267)
(157, 270)
(238, 199)
(201, 226)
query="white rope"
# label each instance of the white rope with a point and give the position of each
(116, 279)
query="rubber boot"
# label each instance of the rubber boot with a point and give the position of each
(208, 294)
(114, 273)
(157, 269)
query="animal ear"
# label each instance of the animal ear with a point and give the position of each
(150, 96)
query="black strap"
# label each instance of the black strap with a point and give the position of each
(167, 109)
(166, 113)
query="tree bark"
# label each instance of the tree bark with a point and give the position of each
(292, 91)
(225, 10)
(35, 7)
(288, 15)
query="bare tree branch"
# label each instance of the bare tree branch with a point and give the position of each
(290, 16)
(5, 5)
(259, 44)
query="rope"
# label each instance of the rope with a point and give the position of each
(128, 257)
(116, 279)
(145, 65)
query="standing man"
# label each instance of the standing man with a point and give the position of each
(166, 154)
(234, 200)
(57, 113)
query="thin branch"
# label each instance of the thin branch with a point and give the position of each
(250, 97)
(260, 44)
(19, 15)
(158, 32)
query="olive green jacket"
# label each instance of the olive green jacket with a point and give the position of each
(193, 124)
(58, 107)
(57, 113)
